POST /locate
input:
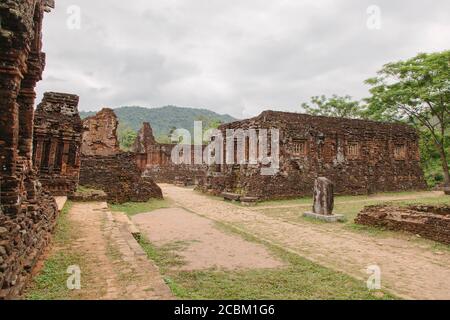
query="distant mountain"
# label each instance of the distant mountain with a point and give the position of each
(164, 119)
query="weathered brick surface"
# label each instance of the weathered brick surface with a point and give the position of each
(431, 222)
(144, 140)
(89, 196)
(155, 160)
(358, 156)
(27, 213)
(104, 166)
(119, 177)
(57, 142)
(100, 134)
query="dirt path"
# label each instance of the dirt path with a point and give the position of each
(198, 241)
(409, 270)
(122, 270)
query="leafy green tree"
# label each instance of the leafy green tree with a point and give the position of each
(164, 138)
(336, 106)
(208, 123)
(417, 91)
(126, 137)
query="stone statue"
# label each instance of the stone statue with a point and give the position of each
(323, 202)
(323, 197)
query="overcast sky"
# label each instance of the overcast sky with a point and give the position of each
(231, 56)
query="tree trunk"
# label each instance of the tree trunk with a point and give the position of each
(444, 166)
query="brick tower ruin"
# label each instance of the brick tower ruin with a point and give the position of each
(104, 166)
(155, 160)
(57, 143)
(27, 213)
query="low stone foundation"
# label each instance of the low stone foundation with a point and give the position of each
(178, 174)
(119, 176)
(326, 218)
(431, 222)
(89, 196)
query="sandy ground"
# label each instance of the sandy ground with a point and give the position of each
(408, 269)
(200, 243)
(122, 269)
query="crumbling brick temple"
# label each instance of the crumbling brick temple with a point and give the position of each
(100, 137)
(57, 143)
(155, 160)
(27, 212)
(104, 166)
(358, 156)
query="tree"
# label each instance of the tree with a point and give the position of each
(207, 124)
(126, 137)
(418, 91)
(336, 106)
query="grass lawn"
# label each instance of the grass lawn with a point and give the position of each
(133, 208)
(308, 200)
(349, 206)
(299, 279)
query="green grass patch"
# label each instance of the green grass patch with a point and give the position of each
(133, 208)
(51, 283)
(64, 232)
(165, 256)
(343, 205)
(299, 279)
(351, 209)
(307, 201)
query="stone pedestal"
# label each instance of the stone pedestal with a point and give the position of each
(323, 202)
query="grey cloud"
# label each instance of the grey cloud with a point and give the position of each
(231, 56)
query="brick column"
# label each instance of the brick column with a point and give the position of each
(26, 100)
(10, 78)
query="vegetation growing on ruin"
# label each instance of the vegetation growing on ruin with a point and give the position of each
(84, 189)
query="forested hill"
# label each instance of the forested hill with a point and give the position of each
(164, 119)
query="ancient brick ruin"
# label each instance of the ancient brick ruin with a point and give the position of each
(104, 166)
(427, 221)
(358, 156)
(57, 143)
(155, 160)
(100, 138)
(27, 212)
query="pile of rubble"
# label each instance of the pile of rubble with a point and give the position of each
(431, 222)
